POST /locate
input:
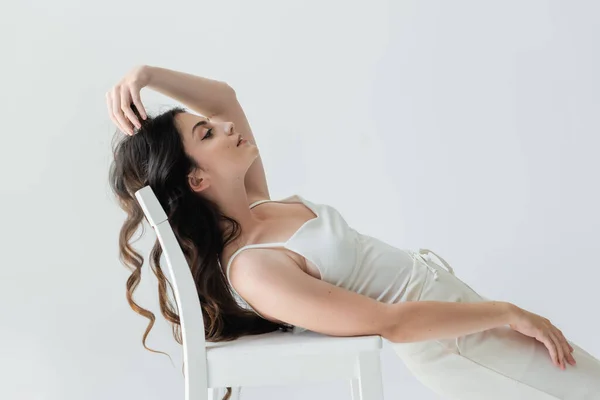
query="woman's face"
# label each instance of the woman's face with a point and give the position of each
(214, 147)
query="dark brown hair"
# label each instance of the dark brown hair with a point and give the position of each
(155, 156)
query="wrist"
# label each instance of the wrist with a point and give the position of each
(149, 73)
(512, 313)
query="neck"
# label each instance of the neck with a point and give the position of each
(233, 202)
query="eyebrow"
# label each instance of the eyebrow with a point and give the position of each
(199, 123)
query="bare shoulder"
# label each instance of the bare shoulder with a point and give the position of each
(274, 285)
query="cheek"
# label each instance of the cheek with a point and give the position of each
(201, 158)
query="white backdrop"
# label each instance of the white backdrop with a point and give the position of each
(466, 127)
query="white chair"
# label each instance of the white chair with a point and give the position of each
(275, 358)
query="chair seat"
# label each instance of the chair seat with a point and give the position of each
(286, 344)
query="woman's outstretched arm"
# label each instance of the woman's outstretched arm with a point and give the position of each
(429, 320)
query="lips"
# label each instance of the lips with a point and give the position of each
(239, 140)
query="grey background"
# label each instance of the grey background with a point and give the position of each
(466, 127)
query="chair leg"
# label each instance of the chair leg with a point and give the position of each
(215, 393)
(368, 385)
(218, 393)
(354, 389)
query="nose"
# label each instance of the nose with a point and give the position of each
(231, 128)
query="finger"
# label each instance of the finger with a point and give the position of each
(110, 108)
(128, 111)
(559, 348)
(551, 348)
(126, 108)
(132, 117)
(562, 350)
(116, 110)
(570, 347)
(571, 354)
(121, 100)
(135, 95)
(114, 119)
(571, 359)
(567, 346)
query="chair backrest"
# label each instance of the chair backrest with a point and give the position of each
(184, 287)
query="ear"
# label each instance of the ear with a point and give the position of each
(197, 184)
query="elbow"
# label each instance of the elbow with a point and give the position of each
(394, 328)
(395, 334)
(230, 89)
(225, 99)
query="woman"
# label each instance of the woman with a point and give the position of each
(262, 265)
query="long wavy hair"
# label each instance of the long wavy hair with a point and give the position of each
(155, 156)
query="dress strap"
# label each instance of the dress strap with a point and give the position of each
(259, 202)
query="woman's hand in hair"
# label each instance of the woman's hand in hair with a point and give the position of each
(120, 97)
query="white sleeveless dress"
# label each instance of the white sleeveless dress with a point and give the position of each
(498, 363)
